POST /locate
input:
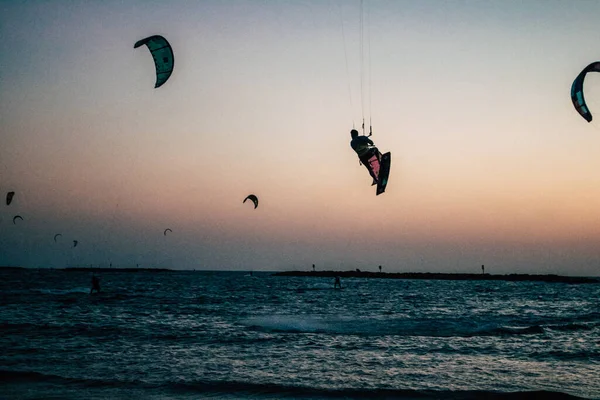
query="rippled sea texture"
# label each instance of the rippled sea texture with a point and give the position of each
(229, 335)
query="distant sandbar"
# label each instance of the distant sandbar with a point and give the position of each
(104, 269)
(442, 276)
(97, 269)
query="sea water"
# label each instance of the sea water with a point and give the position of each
(233, 335)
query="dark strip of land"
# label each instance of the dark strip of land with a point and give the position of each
(442, 276)
(98, 269)
(87, 269)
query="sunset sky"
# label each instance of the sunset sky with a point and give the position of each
(491, 164)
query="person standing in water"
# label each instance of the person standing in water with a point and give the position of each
(338, 283)
(95, 284)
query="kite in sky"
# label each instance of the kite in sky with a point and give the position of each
(162, 53)
(9, 197)
(577, 91)
(253, 198)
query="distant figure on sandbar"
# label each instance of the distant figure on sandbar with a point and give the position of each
(313, 267)
(380, 269)
(95, 284)
(483, 270)
(338, 283)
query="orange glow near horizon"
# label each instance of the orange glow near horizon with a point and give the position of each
(488, 155)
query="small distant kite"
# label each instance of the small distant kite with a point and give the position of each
(162, 53)
(577, 91)
(56, 237)
(75, 242)
(9, 197)
(165, 232)
(16, 217)
(253, 198)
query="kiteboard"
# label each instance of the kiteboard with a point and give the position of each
(384, 172)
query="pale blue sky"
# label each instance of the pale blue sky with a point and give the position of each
(491, 164)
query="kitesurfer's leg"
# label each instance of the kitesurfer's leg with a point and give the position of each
(367, 164)
(371, 173)
(377, 153)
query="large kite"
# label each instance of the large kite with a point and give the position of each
(162, 53)
(577, 91)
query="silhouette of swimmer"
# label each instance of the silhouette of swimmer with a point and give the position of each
(95, 284)
(338, 283)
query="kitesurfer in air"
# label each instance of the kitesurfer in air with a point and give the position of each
(364, 147)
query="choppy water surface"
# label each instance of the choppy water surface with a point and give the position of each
(180, 335)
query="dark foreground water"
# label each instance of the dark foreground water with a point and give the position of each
(228, 335)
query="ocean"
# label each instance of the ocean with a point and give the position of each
(233, 335)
